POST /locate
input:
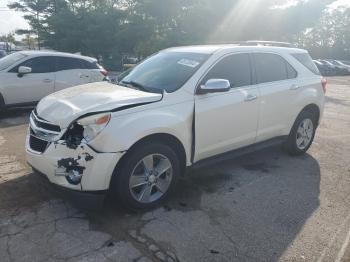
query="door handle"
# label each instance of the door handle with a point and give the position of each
(294, 87)
(47, 80)
(250, 97)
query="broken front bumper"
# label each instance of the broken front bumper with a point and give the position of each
(57, 160)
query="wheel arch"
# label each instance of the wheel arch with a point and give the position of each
(163, 138)
(312, 108)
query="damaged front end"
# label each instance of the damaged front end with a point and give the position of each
(65, 155)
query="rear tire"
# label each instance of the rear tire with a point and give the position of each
(2, 102)
(146, 176)
(302, 133)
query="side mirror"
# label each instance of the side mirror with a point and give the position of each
(22, 70)
(215, 86)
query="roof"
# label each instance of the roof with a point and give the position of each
(211, 49)
(54, 53)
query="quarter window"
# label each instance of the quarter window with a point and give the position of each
(235, 68)
(271, 67)
(306, 60)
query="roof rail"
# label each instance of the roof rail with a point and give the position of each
(267, 43)
(254, 43)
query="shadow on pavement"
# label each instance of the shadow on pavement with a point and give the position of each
(14, 116)
(258, 203)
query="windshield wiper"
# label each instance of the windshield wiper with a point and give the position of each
(140, 87)
(135, 85)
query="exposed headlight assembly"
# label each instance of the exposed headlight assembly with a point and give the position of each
(93, 125)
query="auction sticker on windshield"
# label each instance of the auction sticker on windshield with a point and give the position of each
(188, 62)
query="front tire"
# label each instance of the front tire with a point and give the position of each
(147, 175)
(302, 133)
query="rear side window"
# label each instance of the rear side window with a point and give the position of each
(306, 60)
(88, 65)
(69, 63)
(39, 65)
(271, 67)
(235, 68)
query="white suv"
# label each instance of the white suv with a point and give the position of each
(28, 76)
(180, 107)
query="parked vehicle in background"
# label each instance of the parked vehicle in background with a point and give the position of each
(28, 76)
(345, 62)
(180, 107)
(339, 70)
(324, 68)
(341, 65)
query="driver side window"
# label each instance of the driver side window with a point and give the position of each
(39, 65)
(235, 68)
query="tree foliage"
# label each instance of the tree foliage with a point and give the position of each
(111, 28)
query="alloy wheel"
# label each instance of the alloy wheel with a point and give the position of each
(151, 178)
(304, 133)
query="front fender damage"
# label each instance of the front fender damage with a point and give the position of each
(74, 147)
(73, 167)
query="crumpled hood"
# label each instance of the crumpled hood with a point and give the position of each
(63, 107)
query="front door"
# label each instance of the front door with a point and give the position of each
(33, 86)
(227, 121)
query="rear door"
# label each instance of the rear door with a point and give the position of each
(70, 71)
(278, 86)
(226, 121)
(33, 86)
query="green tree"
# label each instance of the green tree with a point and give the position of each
(330, 37)
(36, 13)
(112, 28)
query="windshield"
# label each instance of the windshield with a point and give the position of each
(165, 71)
(9, 60)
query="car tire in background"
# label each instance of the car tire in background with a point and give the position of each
(2, 102)
(146, 176)
(302, 134)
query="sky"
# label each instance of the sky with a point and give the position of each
(11, 20)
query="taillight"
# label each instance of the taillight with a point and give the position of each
(103, 71)
(324, 84)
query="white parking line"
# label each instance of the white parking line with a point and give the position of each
(333, 239)
(343, 248)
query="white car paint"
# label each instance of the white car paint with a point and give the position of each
(17, 89)
(67, 105)
(32, 87)
(205, 124)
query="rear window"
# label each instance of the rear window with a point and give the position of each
(305, 60)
